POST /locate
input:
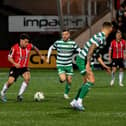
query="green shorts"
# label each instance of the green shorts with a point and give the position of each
(81, 64)
(68, 70)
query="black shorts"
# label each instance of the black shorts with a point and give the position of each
(15, 72)
(118, 63)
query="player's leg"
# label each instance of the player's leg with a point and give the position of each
(84, 81)
(62, 77)
(69, 73)
(81, 66)
(5, 88)
(26, 75)
(77, 101)
(62, 74)
(88, 81)
(114, 68)
(85, 88)
(67, 86)
(73, 103)
(121, 72)
(13, 75)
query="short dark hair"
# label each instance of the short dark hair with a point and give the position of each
(107, 24)
(65, 30)
(24, 36)
(118, 31)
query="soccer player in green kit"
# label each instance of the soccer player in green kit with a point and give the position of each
(90, 51)
(65, 50)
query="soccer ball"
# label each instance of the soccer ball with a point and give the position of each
(39, 96)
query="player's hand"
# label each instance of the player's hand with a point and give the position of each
(47, 60)
(17, 65)
(108, 69)
(42, 57)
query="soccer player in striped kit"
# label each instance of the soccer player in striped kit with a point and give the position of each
(65, 49)
(116, 56)
(90, 51)
(19, 57)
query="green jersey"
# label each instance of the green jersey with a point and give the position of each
(99, 40)
(65, 50)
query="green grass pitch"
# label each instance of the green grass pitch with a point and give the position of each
(105, 105)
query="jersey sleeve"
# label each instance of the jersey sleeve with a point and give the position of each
(124, 43)
(97, 53)
(54, 46)
(97, 40)
(11, 52)
(30, 46)
(76, 47)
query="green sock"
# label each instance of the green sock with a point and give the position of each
(85, 89)
(67, 88)
(78, 93)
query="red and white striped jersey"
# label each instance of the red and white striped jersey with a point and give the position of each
(118, 48)
(20, 55)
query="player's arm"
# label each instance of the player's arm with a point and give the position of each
(38, 52)
(99, 59)
(124, 49)
(110, 53)
(49, 53)
(90, 52)
(11, 60)
(54, 46)
(89, 56)
(108, 69)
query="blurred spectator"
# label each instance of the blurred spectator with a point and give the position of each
(120, 23)
(124, 2)
(120, 11)
(124, 22)
(121, 19)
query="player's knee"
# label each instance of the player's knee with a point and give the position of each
(10, 81)
(85, 80)
(121, 70)
(91, 78)
(114, 69)
(27, 80)
(69, 81)
(62, 80)
(92, 81)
